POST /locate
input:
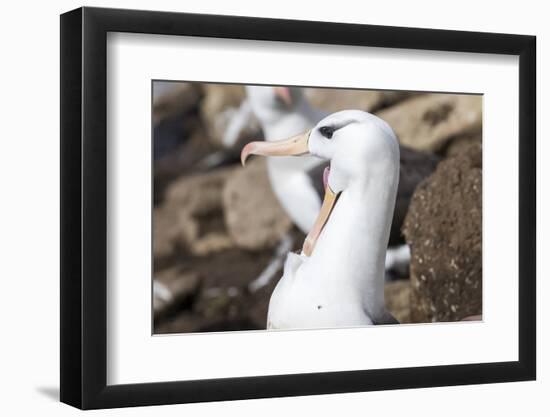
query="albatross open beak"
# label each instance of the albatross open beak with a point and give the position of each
(296, 145)
(328, 204)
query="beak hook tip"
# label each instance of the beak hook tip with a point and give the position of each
(245, 153)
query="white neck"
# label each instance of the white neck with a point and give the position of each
(352, 247)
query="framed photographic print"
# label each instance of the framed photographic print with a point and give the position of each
(257, 208)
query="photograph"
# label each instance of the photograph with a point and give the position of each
(280, 207)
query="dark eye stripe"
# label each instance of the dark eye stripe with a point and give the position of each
(327, 131)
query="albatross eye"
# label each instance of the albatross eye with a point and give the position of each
(327, 131)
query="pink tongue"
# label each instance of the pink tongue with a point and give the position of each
(326, 173)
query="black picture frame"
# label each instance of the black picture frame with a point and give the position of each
(84, 207)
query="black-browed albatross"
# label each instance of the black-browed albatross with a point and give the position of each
(338, 279)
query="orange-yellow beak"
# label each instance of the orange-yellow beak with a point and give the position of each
(326, 209)
(296, 145)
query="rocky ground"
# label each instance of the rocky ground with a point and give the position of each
(216, 226)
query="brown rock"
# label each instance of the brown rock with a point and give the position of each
(165, 236)
(427, 122)
(185, 159)
(254, 217)
(477, 317)
(219, 96)
(171, 288)
(332, 100)
(414, 167)
(397, 296)
(464, 144)
(219, 107)
(223, 302)
(443, 229)
(198, 193)
(192, 216)
(186, 322)
(173, 98)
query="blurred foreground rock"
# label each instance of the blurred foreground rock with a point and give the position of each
(223, 301)
(191, 218)
(254, 217)
(200, 213)
(443, 228)
(172, 288)
(165, 236)
(183, 159)
(429, 121)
